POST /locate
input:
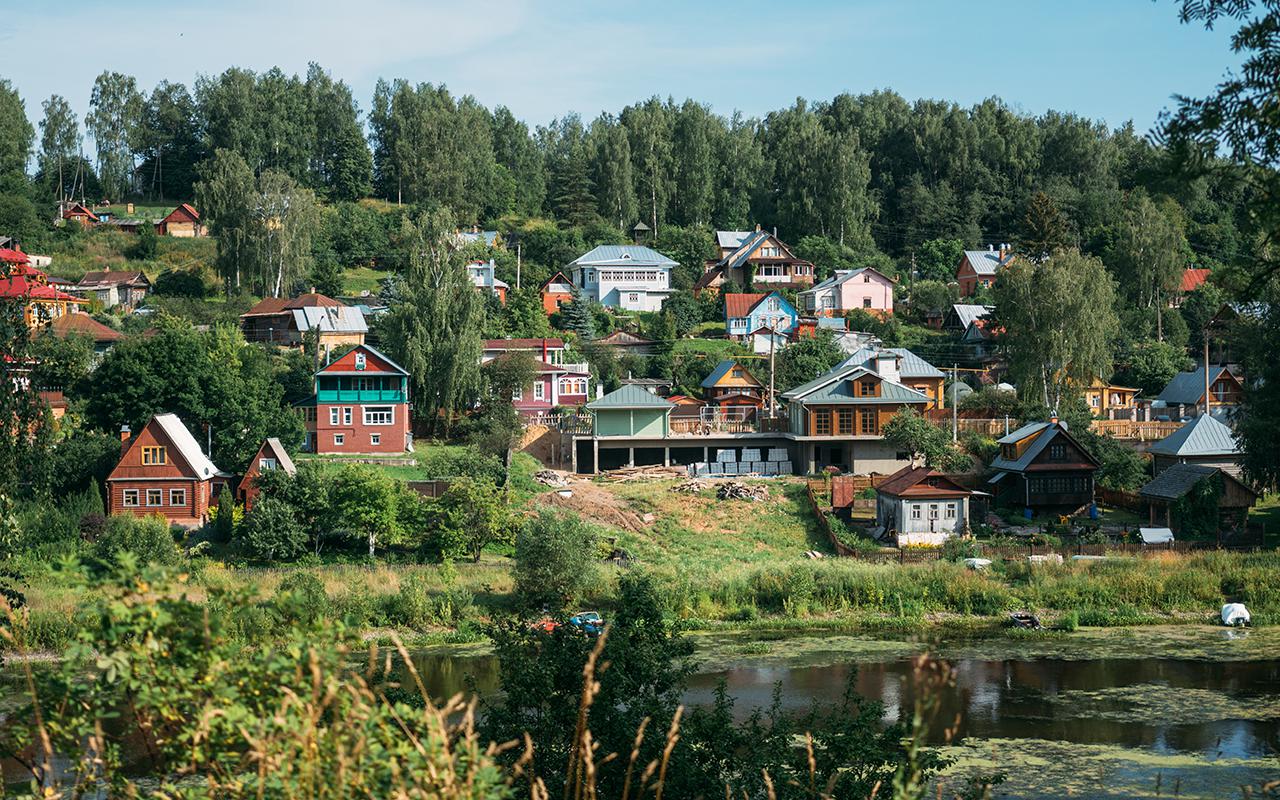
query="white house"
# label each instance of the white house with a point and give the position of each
(921, 506)
(627, 276)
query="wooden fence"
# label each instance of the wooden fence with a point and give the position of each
(1135, 430)
(1118, 499)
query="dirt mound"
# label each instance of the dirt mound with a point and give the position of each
(595, 504)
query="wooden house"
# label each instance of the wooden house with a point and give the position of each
(182, 222)
(744, 314)
(731, 384)
(902, 366)
(838, 420)
(114, 287)
(624, 342)
(81, 214)
(41, 303)
(1042, 467)
(1180, 482)
(1184, 395)
(1109, 401)
(555, 292)
(629, 277)
(978, 269)
(556, 383)
(486, 282)
(360, 406)
(867, 289)
(631, 411)
(287, 322)
(163, 471)
(754, 258)
(1204, 441)
(921, 506)
(270, 456)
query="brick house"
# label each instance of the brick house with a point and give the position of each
(360, 406)
(270, 456)
(163, 471)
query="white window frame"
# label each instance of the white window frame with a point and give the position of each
(539, 390)
(950, 511)
(130, 498)
(369, 411)
(346, 415)
(339, 439)
(361, 361)
(517, 395)
(177, 497)
(267, 464)
(159, 495)
(375, 439)
(915, 511)
(333, 416)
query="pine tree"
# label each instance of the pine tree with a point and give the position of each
(577, 316)
(1044, 229)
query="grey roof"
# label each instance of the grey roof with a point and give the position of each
(833, 387)
(968, 312)
(1202, 436)
(737, 257)
(1044, 432)
(330, 319)
(187, 445)
(839, 277)
(984, 262)
(629, 396)
(1021, 433)
(911, 366)
(731, 238)
(1175, 481)
(1187, 388)
(719, 372)
(622, 255)
(282, 455)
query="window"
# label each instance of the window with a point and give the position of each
(155, 497)
(1009, 451)
(951, 511)
(379, 415)
(844, 421)
(1057, 452)
(266, 464)
(339, 439)
(828, 302)
(346, 415)
(539, 391)
(361, 361)
(634, 298)
(153, 455)
(375, 439)
(822, 423)
(868, 422)
(130, 498)
(333, 416)
(1093, 400)
(867, 389)
(517, 395)
(367, 384)
(866, 302)
(573, 386)
(177, 497)
(737, 373)
(915, 512)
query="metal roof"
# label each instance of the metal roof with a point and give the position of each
(721, 370)
(1187, 388)
(984, 262)
(832, 387)
(330, 319)
(186, 445)
(910, 366)
(1021, 433)
(1044, 432)
(731, 238)
(1175, 481)
(967, 312)
(282, 456)
(1202, 436)
(629, 396)
(620, 255)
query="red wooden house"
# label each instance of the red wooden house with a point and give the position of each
(163, 471)
(361, 405)
(81, 214)
(557, 291)
(183, 221)
(270, 456)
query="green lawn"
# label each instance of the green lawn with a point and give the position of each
(363, 279)
(1267, 514)
(715, 348)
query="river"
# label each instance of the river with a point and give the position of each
(1189, 711)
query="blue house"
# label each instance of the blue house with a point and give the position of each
(747, 313)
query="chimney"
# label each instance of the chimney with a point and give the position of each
(544, 351)
(1053, 418)
(757, 227)
(990, 248)
(124, 437)
(886, 366)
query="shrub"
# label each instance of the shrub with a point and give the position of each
(1070, 622)
(271, 532)
(148, 538)
(301, 598)
(554, 559)
(958, 548)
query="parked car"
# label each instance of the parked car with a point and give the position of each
(588, 622)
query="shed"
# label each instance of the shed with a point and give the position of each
(631, 411)
(1174, 498)
(1204, 441)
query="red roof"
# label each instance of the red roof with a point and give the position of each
(522, 344)
(188, 212)
(279, 305)
(20, 286)
(740, 304)
(1193, 279)
(10, 256)
(921, 482)
(69, 324)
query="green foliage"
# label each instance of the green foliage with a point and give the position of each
(469, 516)
(301, 599)
(271, 532)
(181, 283)
(62, 362)
(805, 360)
(1044, 229)
(147, 245)
(937, 259)
(912, 433)
(555, 556)
(224, 520)
(148, 539)
(1150, 365)
(1197, 512)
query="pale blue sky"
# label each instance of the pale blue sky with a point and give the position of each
(1113, 60)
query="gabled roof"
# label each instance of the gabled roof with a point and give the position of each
(629, 396)
(722, 369)
(1202, 436)
(83, 325)
(727, 239)
(623, 339)
(910, 365)
(968, 312)
(1187, 388)
(332, 368)
(1175, 481)
(921, 482)
(843, 276)
(109, 276)
(1017, 435)
(985, 262)
(186, 445)
(330, 319)
(833, 387)
(739, 304)
(276, 450)
(11, 256)
(77, 210)
(185, 208)
(271, 306)
(561, 286)
(1193, 279)
(620, 255)
(1045, 432)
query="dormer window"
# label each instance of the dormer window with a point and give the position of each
(626, 256)
(1057, 452)
(361, 361)
(867, 389)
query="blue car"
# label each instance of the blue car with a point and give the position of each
(589, 622)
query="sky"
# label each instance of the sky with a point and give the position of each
(1110, 60)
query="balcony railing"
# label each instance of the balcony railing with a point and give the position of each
(360, 396)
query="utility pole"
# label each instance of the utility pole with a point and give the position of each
(518, 244)
(772, 404)
(1206, 371)
(955, 419)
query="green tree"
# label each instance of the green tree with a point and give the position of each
(434, 332)
(468, 517)
(16, 133)
(555, 556)
(364, 504)
(1058, 323)
(1150, 365)
(909, 432)
(59, 141)
(341, 165)
(168, 142)
(61, 362)
(937, 259)
(1044, 230)
(1149, 254)
(270, 532)
(576, 316)
(225, 194)
(518, 156)
(805, 360)
(114, 121)
(611, 172)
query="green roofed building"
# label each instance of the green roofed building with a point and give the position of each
(631, 411)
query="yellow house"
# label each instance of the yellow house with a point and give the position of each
(730, 384)
(1106, 399)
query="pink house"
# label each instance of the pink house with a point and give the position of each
(867, 289)
(558, 383)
